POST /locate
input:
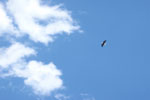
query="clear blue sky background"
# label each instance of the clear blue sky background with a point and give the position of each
(119, 71)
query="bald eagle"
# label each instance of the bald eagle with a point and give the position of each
(103, 43)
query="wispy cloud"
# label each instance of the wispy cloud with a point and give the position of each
(86, 96)
(82, 96)
(42, 78)
(19, 18)
(14, 54)
(60, 96)
(40, 22)
(6, 25)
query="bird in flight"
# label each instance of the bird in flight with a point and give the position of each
(103, 43)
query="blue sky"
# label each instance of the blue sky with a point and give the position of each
(119, 71)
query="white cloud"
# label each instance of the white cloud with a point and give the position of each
(86, 96)
(40, 22)
(14, 54)
(60, 96)
(42, 78)
(30, 15)
(5, 22)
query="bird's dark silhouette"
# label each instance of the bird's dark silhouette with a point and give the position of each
(103, 43)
